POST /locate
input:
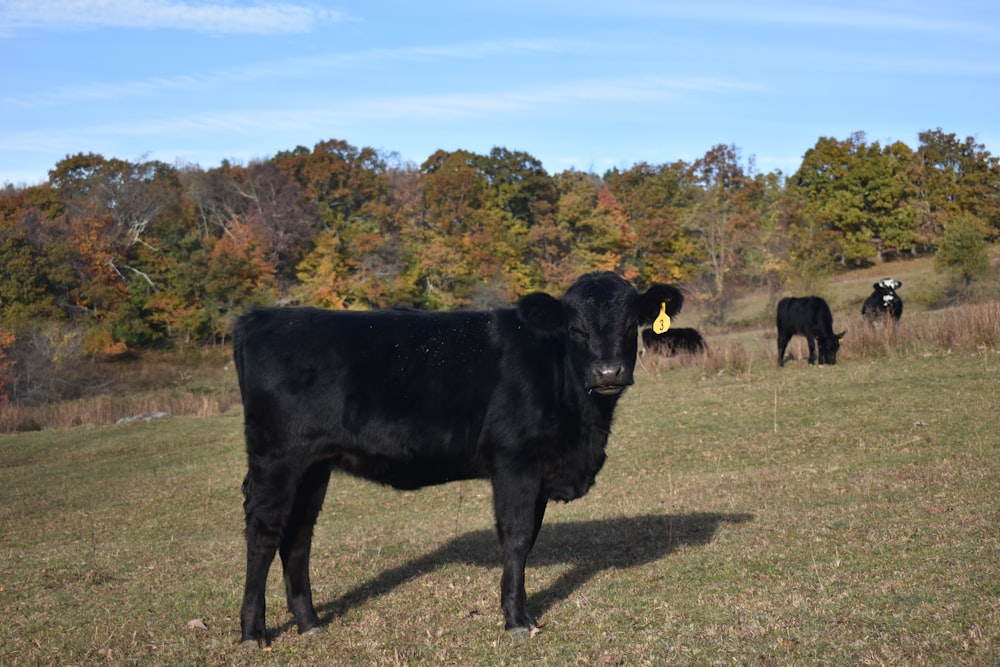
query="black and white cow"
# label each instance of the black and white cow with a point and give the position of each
(808, 316)
(523, 396)
(673, 341)
(883, 302)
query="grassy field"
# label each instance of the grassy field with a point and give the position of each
(845, 515)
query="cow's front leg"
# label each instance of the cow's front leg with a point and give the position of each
(519, 505)
(812, 349)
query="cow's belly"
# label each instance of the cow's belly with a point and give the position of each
(410, 470)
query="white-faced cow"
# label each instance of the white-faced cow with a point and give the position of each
(523, 396)
(673, 341)
(883, 302)
(808, 316)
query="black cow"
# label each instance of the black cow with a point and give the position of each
(523, 396)
(883, 302)
(808, 316)
(673, 341)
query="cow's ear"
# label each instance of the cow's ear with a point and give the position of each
(840, 336)
(541, 310)
(899, 283)
(876, 285)
(657, 297)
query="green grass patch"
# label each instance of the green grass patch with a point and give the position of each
(845, 515)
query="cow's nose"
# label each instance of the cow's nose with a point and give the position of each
(608, 373)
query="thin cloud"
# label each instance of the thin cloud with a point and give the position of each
(840, 15)
(621, 92)
(214, 18)
(439, 108)
(444, 107)
(287, 68)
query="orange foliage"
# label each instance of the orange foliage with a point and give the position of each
(240, 243)
(6, 340)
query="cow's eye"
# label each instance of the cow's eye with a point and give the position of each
(578, 333)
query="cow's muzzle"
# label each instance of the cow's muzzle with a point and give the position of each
(609, 378)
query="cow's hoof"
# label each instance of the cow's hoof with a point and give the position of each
(314, 631)
(252, 644)
(523, 633)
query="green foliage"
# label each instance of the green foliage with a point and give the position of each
(963, 250)
(958, 176)
(867, 196)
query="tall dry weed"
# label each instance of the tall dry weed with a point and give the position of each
(108, 409)
(965, 327)
(718, 359)
(973, 327)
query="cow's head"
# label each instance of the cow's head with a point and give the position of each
(600, 316)
(828, 347)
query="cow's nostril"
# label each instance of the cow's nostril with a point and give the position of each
(606, 373)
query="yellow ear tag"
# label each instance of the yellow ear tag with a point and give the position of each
(662, 321)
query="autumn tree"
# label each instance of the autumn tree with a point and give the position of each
(6, 341)
(108, 208)
(445, 258)
(521, 199)
(354, 258)
(652, 198)
(767, 255)
(722, 220)
(27, 285)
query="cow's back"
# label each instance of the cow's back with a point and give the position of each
(807, 316)
(403, 397)
(673, 341)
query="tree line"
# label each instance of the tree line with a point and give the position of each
(112, 255)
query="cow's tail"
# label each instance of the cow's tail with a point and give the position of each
(239, 343)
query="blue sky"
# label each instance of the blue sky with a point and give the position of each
(577, 84)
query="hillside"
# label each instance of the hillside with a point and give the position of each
(203, 382)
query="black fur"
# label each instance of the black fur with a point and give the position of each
(673, 341)
(808, 316)
(523, 396)
(883, 302)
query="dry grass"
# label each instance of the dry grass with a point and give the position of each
(108, 409)
(201, 384)
(961, 328)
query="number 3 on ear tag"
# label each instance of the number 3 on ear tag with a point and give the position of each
(662, 321)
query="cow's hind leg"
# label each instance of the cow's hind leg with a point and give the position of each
(782, 345)
(268, 494)
(296, 545)
(520, 506)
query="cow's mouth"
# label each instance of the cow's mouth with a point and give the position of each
(608, 389)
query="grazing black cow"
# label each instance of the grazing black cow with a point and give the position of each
(673, 341)
(523, 396)
(808, 316)
(883, 302)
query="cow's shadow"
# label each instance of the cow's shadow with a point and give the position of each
(588, 547)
